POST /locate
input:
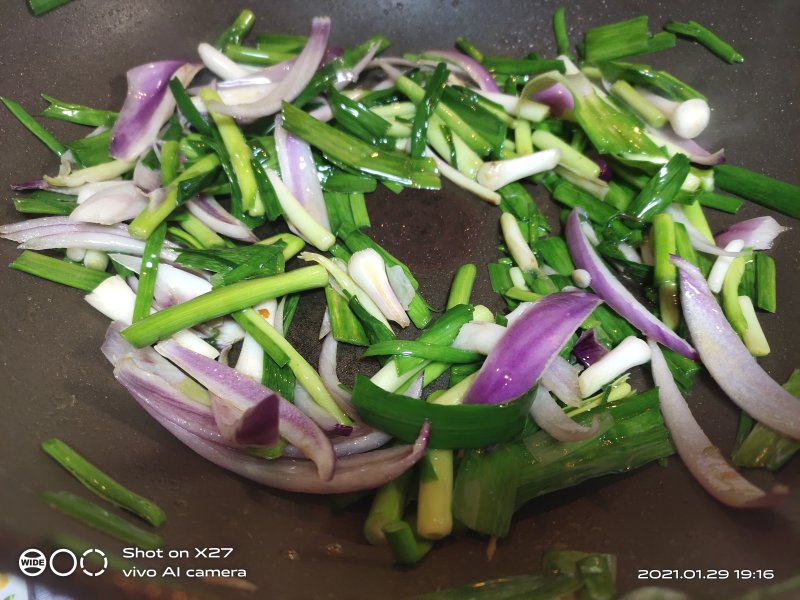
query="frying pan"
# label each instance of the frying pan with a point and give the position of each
(55, 382)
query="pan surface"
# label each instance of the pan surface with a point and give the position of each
(55, 382)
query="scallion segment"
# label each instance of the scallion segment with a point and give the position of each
(709, 39)
(766, 298)
(766, 191)
(59, 271)
(101, 484)
(148, 273)
(222, 301)
(43, 202)
(77, 113)
(98, 517)
(44, 136)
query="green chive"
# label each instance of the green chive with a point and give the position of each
(39, 7)
(237, 30)
(58, 271)
(98, 517)
(469, 49)
(256, 56)
(433, 93)
(617, 40)
(644, 75)
(648, 111)
(529, 67)
(461, 288)
(222, 301)
(727, 204)
(77, 113)
(661, 190)
(345, 327)
(766, 191)
(765, 282)
(560, 31)
(356, 117)
(187, 107)
(281, 42)
(664, 272)
(387, 507)
(101, 484)
(253, 323)
(693, 30)
(683, 245)
(406, 547)
(460, 426)
(420, 173)
(43, 202)
(31, 125)
(423, 350)
(148, 273)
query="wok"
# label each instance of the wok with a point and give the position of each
(55, 382)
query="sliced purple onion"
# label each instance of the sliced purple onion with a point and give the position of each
(19, 226)
(290, 87)
(551, 418)
(353, 473)
(299, 173)
(247, 421)
(106, 242)
(327, 422)
(606, 174)
(365, 440)
(327, 372)
(216, 218)
(147, 107)
(529, 345)
(729, 361)
(28, 186)
(588, 349)
(224, 381)
(115, 204)
(345, 77)
(703, 459)
(610, 289)
(220, 64)
(145, 178)
(558, 98)
(676, 144)
(471, 67)
(38, 228)
(758, 233)
(561, 378)
(173, 285)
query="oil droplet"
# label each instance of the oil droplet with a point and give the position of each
(292, 554)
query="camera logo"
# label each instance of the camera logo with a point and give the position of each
(33, 562)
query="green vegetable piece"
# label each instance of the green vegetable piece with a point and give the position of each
(43, 202)
(766, 191)
(60, 271)
(44, 136)
(101, 484)
(766, 298)
(148, 273)
(661, 190)
(693, 30)
(98, 517)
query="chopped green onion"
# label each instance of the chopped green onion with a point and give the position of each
(727, 204)
(660, 81)
(461, 288)
(148, 273)
(240, 156)
(469, 49)
(39, 7)
(661, 190)
(58, 271)
(648, 111)
(256, 325)
(406, 547)
(707, 38)
(570, 158)
(683, 245)
(765, 448)
(356, 117)
(617, 40)
(530, 67)
(664, 272)
(352, 151)
(222, 301)
(43, 202)
(730, 295)
(256, 56)
(101, 484)
(98, 517)
(237, 30)
(77, 113)
(387, 507)
(462, 426)
(31, 125)
(765, 282)
(766, 191)
(560, 31)
(423, 350)
(187, 107)
(433, 93)
(345, 327)
(281, 42)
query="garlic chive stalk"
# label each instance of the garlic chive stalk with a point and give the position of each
(368, 270)
(298, 217)
(629, 353)
(688, 118)
(495, 174)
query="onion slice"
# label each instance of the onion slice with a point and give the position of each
(147, 106)
(758, 233)
(588, 348)
(476, 71)
(529, 345)
(701, 457)
(290, 86)
(224, 381)
(610, 289)
(216, 218)
(550, 417)
(729, 361)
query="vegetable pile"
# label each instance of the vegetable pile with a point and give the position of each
(223, 191)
